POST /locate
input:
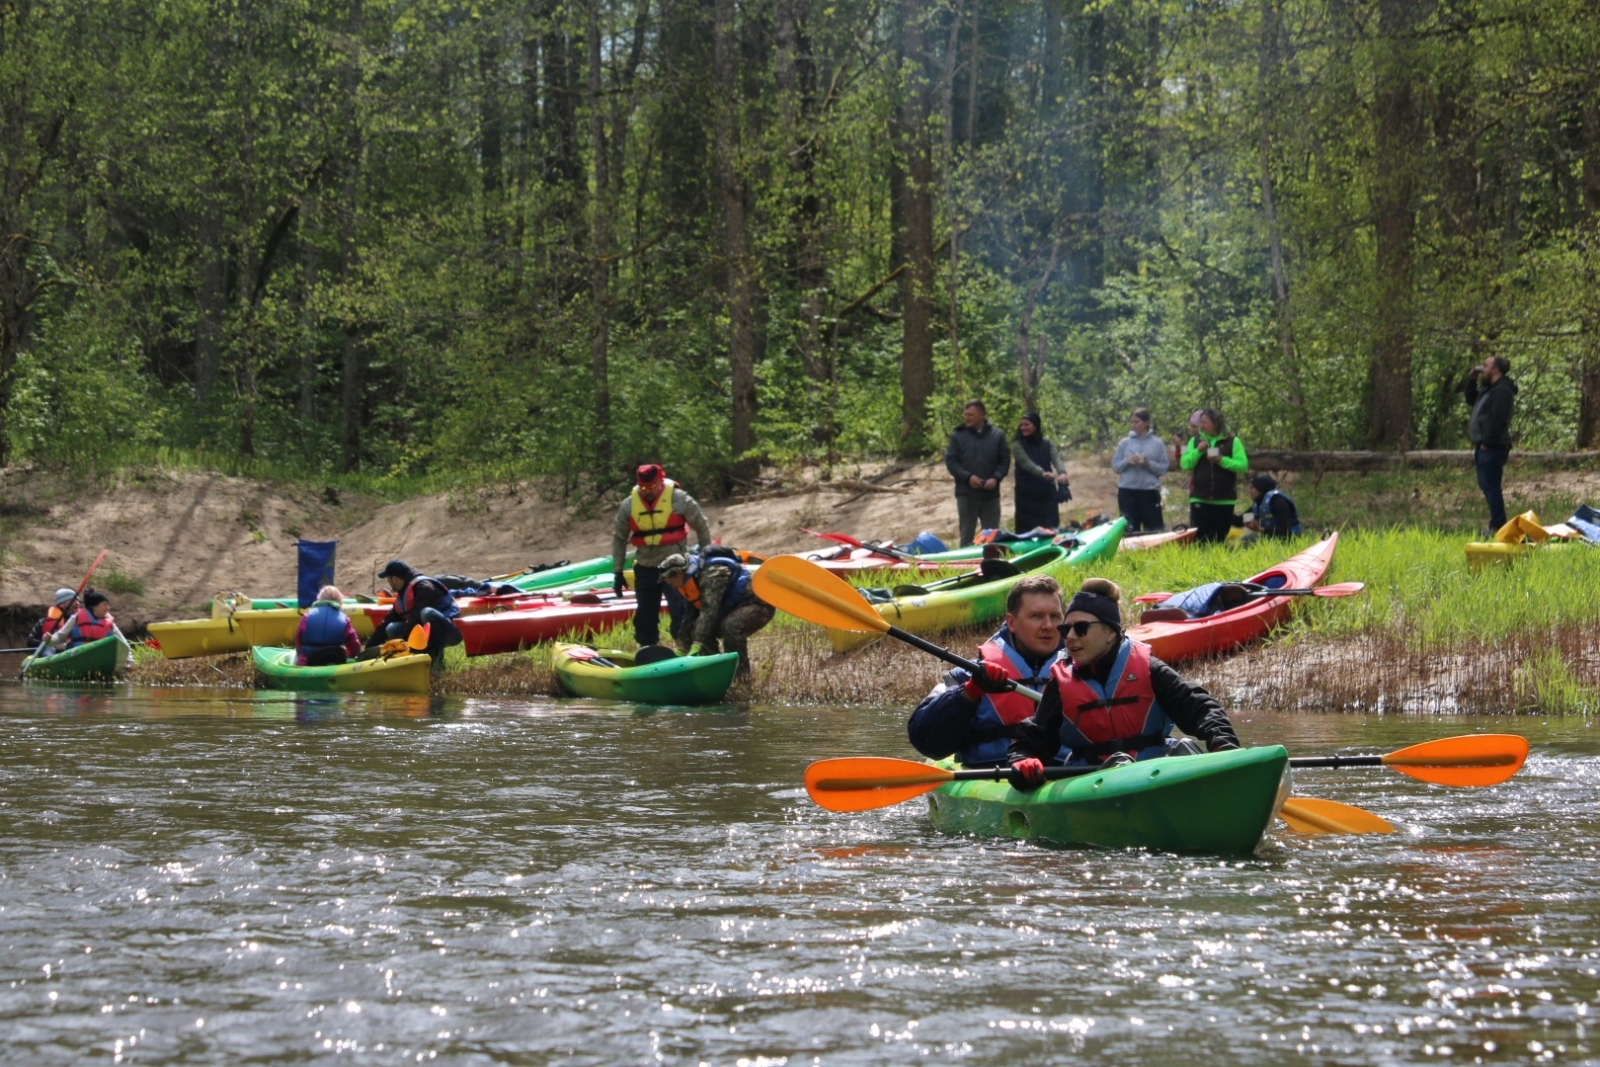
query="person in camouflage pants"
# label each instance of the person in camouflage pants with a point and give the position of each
(721, 605)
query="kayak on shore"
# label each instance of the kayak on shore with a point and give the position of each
(611, 674)
(398, 674)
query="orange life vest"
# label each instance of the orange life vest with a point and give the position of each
(1120, 716)
(91, 628)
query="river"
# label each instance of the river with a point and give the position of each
(221, 877)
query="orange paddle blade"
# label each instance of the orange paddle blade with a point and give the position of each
(1309, 815)
(862, 783)
(809, 592)
(418, 638)
(1471, 759)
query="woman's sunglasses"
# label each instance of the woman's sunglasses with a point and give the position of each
(1077, 629)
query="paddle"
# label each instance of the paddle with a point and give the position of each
(845, 539)
(81, 587)
(1467, 760)
(809, 592)
(1251, 591)
(865, 783)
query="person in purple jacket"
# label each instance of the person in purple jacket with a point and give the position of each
(325, 636)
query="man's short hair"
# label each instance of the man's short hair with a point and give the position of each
(1501, 364)
(975, 404)
(1031, 583)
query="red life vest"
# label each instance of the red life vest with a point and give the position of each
(1012, 707)
(656, 523)
(1120, 716)
(91, 628)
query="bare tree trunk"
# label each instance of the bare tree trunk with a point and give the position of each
(916, 284)
(600, 248)
(735, 243)
(354, 358)
(1271, 28)
(1393, 196)
(1589, 249)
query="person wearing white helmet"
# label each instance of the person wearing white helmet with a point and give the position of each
(63, 604)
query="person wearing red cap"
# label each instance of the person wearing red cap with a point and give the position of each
(655, 520)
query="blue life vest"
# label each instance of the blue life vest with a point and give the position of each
(1262, 510)
(738, 586)
(324, 626)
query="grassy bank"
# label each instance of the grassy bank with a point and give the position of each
(1427, 636)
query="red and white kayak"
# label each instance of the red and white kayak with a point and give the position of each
(508, 631)
(1182, 639)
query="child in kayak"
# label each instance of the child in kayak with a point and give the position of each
(1110, 701)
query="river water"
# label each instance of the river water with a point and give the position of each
(221, 877)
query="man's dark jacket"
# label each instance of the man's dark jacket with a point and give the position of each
(984, 452)
(1491, 412)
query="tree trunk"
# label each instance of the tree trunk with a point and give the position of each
(1589, 250)
(600, 249)
(735, 244)
(1294, 397)
(1393, 207)
(353, 396)
(916, 284)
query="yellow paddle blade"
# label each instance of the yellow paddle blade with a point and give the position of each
(1468, 760)
(418, 638)
(862, 783)
(808, 592)
(1308, 815)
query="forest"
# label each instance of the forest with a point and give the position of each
(548, 238)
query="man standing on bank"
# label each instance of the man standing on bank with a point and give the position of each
(978, 457)
(655, 518)
(1491, 394)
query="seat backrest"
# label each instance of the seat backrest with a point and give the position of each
(1163, 615)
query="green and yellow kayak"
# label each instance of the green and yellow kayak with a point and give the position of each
(97, 661)
(1222, 802)
(401, 674)
(973, 599)
(610, 674)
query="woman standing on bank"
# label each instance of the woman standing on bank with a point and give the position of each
(1140, 461)
(1041, 485)
(1216, 459)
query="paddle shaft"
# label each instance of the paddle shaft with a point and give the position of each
(845, 539)
(945, 654)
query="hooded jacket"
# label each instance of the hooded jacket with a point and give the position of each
(1491, 405)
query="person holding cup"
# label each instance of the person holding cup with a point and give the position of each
(1215, 459)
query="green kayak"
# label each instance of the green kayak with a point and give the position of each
(97, 661)
(610, 675)
(400, 674)
(1222, 802)
(973, 599)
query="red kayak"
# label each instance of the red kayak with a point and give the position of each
(508, 631)
(1180, 639)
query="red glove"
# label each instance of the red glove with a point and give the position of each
(1026, 775)
(992, 680)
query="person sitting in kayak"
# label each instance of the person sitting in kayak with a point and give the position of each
(64, 603)
(721, 602)
(418, 601)
(325, 636)
(1111, 701)
(89, 623)
(973, 717)
(1271, 513)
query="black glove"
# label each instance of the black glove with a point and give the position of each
(1026, 775)
(1221, 744)
(991, 680)
(619, 584)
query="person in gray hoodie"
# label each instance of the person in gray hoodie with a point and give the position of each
(1140, 460)
(978, 457)
(1491, 394)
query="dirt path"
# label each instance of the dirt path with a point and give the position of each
(183, 536)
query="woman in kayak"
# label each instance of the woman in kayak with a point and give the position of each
(325, 636)
(973, 718)
(1110, 701)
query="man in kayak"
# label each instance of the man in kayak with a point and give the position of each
(1110, 701)
(973, 718)
(655, 518)
(65, 602)
(720, 603)
(418, 601)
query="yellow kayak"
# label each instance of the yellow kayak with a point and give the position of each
(1520, 535)
(237, 631)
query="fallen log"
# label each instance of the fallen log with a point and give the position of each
(1316, 462)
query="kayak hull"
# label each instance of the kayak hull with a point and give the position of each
(509, 631)
(982, 601)
(97, 661)
(187, 638)
(1222, 802)
(686, 680)
(276, 626)
(401, 674)
(1179, 640)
